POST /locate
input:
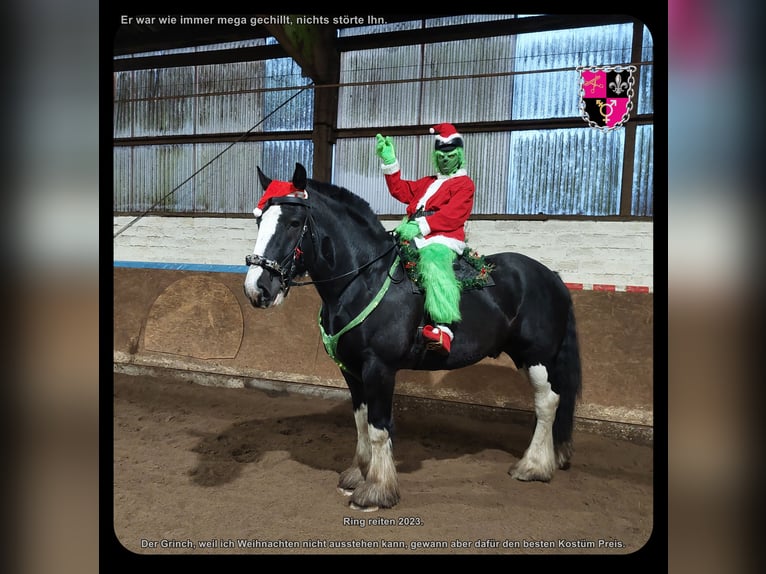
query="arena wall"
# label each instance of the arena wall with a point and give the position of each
(179, 304)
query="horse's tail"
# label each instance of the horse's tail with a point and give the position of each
(567, 377)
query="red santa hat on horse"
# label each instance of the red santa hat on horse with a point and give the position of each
(278, 189)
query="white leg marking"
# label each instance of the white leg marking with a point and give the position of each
(382, 468)
(381, 486)
(266, 231)
(363, 450)
(362, 455)
(539, 460)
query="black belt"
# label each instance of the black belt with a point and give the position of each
(422, 213)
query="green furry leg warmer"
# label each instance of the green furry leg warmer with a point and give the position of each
(441, 287)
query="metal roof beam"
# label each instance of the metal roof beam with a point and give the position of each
(311, 46)
(478, 30)
(255, 53)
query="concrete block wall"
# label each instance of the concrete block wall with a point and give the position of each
(588, 254)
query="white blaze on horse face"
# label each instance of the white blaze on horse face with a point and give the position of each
(266, 231)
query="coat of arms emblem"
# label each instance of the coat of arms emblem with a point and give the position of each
(606, 95)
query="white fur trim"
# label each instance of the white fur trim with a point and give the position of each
(430, 192)
(456, 245)
(445, 329)
(391, 168)
(448, 139)
(425, 229)
(257, 212)
(458, 173)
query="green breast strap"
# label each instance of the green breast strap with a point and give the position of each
(331, 341)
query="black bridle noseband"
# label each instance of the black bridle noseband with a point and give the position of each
(288, 268)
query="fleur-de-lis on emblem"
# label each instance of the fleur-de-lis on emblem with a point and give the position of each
(618, 86)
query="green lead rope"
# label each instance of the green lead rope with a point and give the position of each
(331, 341)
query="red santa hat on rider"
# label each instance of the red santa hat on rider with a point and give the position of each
(278, 189)
(447, 137)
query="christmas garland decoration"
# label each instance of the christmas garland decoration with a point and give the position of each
(411, 255)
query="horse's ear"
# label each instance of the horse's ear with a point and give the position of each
(299, 177)
(265, 181)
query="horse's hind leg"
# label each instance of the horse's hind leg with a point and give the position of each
(539, 460)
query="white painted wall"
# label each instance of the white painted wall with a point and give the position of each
(588, 252)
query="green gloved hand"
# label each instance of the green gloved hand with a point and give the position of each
(407, 230)
(384, 147)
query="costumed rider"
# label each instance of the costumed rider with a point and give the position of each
(437, 209)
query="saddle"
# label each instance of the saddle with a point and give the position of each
(471, 269)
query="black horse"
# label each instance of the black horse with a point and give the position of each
(370, 317)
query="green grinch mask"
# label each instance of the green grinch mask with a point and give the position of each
(448, 162)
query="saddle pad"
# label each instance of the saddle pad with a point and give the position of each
(471, 270)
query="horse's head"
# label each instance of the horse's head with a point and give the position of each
(283, 222)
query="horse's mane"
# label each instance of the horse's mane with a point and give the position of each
(348, 200)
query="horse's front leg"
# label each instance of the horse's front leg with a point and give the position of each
(354, 475)
(380, 488)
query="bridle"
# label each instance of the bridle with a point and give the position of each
(287, 269)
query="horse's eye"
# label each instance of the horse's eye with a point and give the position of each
(294, 223)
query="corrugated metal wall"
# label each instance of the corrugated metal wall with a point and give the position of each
(532, 76)
(198, 100)
(576, 171)
(145, 175)
(382, 103)
(556, 94)
(643, 167)
(528, 77)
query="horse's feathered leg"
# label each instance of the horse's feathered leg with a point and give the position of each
(354, 475)
(380, 488)
(539, 460)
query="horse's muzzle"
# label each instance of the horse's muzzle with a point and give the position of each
(256, 299)
(262, 289)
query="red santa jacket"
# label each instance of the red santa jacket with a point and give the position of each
(450, 198)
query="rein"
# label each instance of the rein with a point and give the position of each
(352, 272)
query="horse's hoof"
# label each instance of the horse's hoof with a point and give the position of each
(527, 474)
(364, 508)
(564, 455)
(345, 491)
(369, 497)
